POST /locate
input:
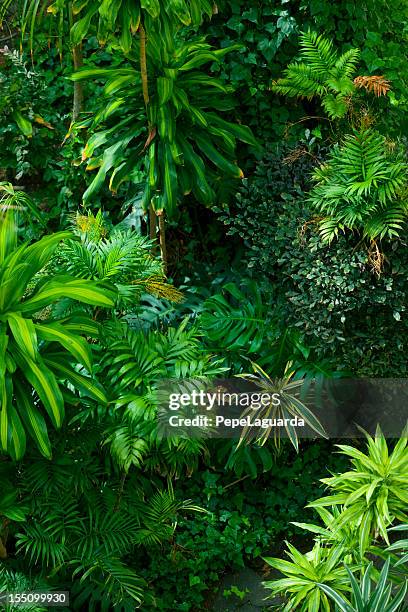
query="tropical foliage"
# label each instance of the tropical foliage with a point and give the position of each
(37, 355)
(203, 197)
(360, 514)
(366, 598)
(185, 141)
(362, 186)
(304, 575)
(117, 255)
(322, 73)
(374, 493)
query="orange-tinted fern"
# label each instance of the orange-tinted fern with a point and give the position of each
(376, 84)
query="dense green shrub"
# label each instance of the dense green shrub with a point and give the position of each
(100, 517)
(245, 519)
(268, 33)
(346, 299)
(27, 127)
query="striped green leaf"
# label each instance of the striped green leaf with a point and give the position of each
(16, 435)
(77, 346)
(45, 384)
(77, 289)
(87, 385)
(24, 333)
(33, 419)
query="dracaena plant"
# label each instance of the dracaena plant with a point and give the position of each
(401, 545)
(289, 408)
(167, 130)
(365, 598)
(36, 353)
(304, 576)
(116, 22)
(122, 18)
(328, 535)
(113, 20)
(374, 493)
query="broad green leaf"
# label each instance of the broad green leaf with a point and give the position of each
(164, 89)
(16, 438)
(77, 289)
(152, 7)
(24, 124)
(87, 385)
(45, 383)
(33, 419)
(77, 346)
(24, 333)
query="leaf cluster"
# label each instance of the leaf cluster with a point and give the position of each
(322, 73)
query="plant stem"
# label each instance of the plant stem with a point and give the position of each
(78, 89)
(162, 234)
(143, 65)
(145, 89)
(3, 550)
(152, 222)
(120, 491)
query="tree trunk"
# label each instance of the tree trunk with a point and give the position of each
(143, 65)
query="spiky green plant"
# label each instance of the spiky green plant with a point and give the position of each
(183, 143)
(365, 598)
(288, 388)
(400, 546)
(121, 256)
(374, 493)
(304, 575)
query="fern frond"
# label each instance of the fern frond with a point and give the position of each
(300, 81)
(126, 445)
(40, 545)
(131, 359)
(231, 321)
(160, 516)
(318, 52)
(376, 84)
(347, 63)
(335, 106)
(81, 259)
(105, 533)
(386, 223)
(17, 582)
(361, 186)
(321, 73)
(329, 229)
(113, 578)
(122, 257)
(175, 456)
(341, 84)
